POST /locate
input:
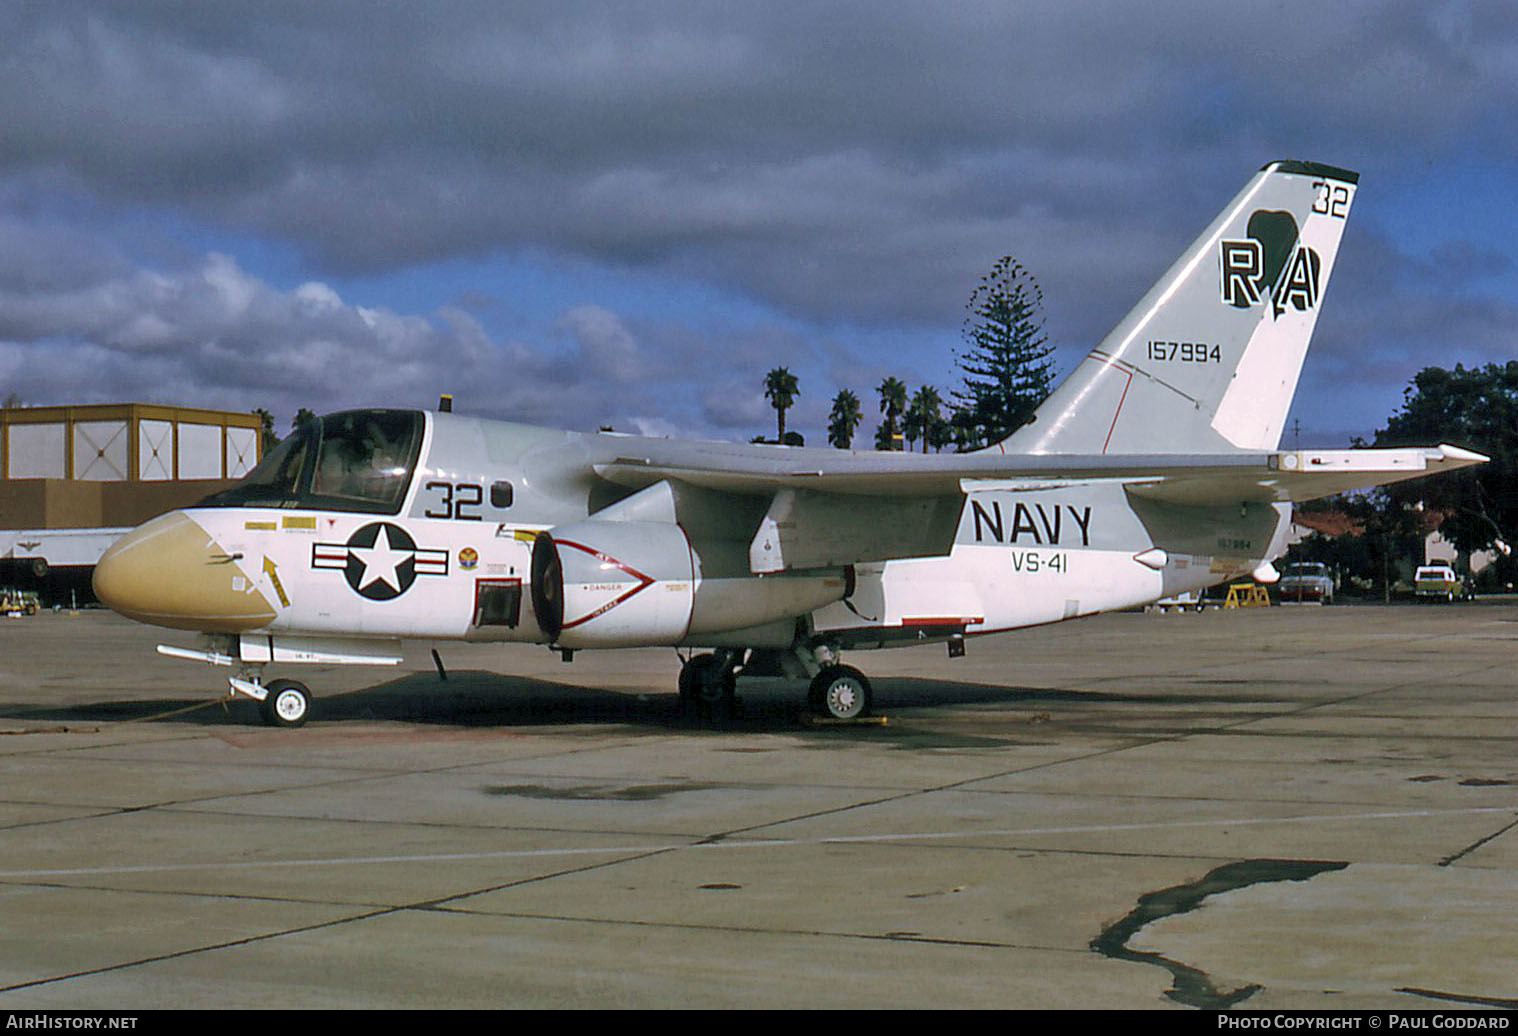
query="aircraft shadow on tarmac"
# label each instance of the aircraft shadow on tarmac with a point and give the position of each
(473, 699)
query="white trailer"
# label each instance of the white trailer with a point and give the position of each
(36, 552)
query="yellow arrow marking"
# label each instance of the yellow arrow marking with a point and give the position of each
(269, 570)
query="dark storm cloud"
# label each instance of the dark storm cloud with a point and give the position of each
(1390, 313)
(855, 164)
(714, 138)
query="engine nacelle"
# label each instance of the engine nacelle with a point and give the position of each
(629, 583)
(613, 584)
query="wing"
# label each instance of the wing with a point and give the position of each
(828, 507)
(1277, 477)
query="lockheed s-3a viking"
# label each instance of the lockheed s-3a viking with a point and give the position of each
(1154, 469)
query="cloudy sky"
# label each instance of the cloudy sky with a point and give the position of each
(625, 213)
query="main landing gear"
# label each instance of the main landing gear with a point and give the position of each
(708, 681)
(840, 692)
(708, 685)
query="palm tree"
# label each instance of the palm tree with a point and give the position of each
(923, 418)
(266, 429)
(893, 403)
(781, 389)
(844, 419)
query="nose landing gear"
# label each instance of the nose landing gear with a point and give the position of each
(287, 704)
(281, 703)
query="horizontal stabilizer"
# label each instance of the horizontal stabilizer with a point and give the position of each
(1308, 475)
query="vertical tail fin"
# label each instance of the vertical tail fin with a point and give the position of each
(1208, 360)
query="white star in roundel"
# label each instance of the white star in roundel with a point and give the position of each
(380, 562)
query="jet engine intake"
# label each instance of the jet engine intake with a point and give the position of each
(599, 583)
(613, 584)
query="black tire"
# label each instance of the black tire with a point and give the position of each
(288, 704)
(707, 686)
(841, 692)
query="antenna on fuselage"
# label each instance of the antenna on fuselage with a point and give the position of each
(445, 403)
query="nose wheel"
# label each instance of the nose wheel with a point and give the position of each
(287, 704)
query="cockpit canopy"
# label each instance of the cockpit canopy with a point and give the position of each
(356, 460)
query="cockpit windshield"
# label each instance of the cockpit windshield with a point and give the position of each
(357, 460)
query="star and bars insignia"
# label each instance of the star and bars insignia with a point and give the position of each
(380, 560)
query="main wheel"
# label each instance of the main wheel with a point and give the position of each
(707, 684)
(288, 704)
(841, 692)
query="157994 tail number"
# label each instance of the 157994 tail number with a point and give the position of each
(1184, 352)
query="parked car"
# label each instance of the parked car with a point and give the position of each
(1437, 583)
(1307, 581)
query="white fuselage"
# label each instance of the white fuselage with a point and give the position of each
(453, 563)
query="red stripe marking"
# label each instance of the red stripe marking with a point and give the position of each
(644, 582)
(1119, 410)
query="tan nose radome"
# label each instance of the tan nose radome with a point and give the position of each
(171, 572)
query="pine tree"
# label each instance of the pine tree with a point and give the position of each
(1007, 372)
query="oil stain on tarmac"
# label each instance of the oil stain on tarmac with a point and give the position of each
(1192, 986)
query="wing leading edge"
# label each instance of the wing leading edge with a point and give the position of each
(1278, 476)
